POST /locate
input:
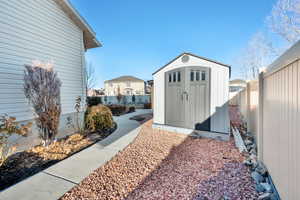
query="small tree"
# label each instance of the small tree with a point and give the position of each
(78, 108)
(8, 127)
(133, 99)
(42, 88)
(119, 95)
(90, 76)
(285, 20)
(258, 53)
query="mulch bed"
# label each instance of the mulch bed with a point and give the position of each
(164, 165)
(27, 163)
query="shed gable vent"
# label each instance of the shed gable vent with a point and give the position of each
(185, 58)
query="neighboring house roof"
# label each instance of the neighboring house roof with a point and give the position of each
(190, 54)
(89, 35)
(125, 78)
(237, 81)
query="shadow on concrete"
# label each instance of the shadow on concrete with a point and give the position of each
(127, 123)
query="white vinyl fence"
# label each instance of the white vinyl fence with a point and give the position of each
(139, 99)
(273, 115)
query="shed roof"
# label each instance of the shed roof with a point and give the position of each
(90, 40)
(125, 78)
(190, 54)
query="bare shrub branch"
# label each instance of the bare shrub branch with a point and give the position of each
(42, 88)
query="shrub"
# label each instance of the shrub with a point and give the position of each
(99, 118)
(147, 106)
(133, 99)
(131, 109)
(117, 109)
(42, 88)
(8, 127)
(93, 101)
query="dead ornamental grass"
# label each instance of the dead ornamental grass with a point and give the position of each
(157, 165)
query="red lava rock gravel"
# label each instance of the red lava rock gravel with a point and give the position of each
(232, 181)
(164, 165)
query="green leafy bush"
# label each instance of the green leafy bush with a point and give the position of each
(99, 118)
(93, 101)
(117, 109)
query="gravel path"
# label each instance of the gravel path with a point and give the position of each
(163, 165)
(232, 181)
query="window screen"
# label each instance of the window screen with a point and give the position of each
(197, 75)
(174, 76)
(178, 77)
(192, 76)
(203, 74)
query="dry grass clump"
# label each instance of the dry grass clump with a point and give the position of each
(63, 148)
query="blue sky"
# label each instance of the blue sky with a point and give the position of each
(139, 36)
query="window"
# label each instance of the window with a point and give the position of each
(203, 76)
(192, 75)
(178, 77)
(197, 75)
(128, 83)
(170, 78)
(174, 77)
(110, 84)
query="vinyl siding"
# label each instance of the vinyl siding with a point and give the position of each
(280, 136)
(38, 30)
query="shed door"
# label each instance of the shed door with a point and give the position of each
(175, 104)
(188, 98)
(198, 102)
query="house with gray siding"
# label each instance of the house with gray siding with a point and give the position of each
(48, 31)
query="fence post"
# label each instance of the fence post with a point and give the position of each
(260, 115)
(248, 103)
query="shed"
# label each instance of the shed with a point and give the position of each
(191, 92)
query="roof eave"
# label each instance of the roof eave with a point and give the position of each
(90, 39)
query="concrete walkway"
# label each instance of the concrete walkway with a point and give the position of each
(55, 181)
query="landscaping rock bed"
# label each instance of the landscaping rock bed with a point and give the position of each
(164, 165)
(231, 182)
(24, 164)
